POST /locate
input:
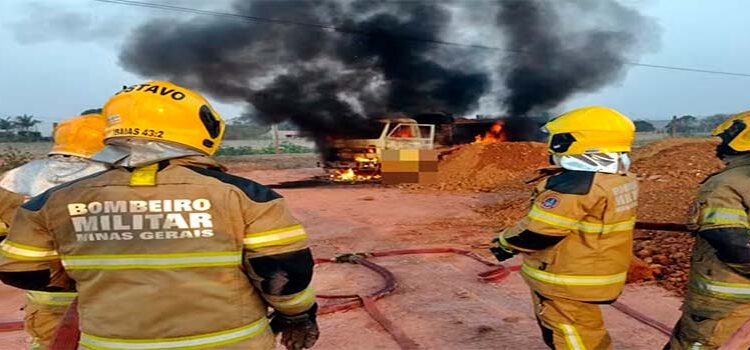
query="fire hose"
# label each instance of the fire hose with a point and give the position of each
(662, 226)
(497, 274)
(67, 335)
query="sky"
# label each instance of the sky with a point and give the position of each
(60, 57)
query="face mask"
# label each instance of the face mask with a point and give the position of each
(611, 162)
(137, 152)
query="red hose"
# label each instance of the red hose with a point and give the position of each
(642, 318)
(495, 275)
(356, 301)
(67, 333)
(11, 326)
(402, 339)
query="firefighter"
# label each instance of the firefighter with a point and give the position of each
(717, 302)
(166, 249)
(576, 240)
(9, 203)
(75, 141)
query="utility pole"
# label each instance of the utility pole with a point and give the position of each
(275, 129)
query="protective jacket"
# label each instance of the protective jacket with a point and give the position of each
(577, 237)
(45, 308)
(9, 203)
(721, 255)
(172, 255)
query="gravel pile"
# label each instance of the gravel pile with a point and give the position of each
(485, 167)
(670, 173)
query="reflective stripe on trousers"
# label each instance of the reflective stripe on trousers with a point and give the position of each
(572, 280)
(50, 298)
(191, 342)
(735, 290)
(572, 337)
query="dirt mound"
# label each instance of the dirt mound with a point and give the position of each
(670, 173)
(491, 166)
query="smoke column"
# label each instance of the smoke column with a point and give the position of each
(562, 49)
(325, 82)
(329, 82)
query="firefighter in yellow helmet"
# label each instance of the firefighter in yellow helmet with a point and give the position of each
(576, 240)
(717, 302)
(75, 142)
(166, 249)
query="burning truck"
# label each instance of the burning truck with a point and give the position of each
(359, 156)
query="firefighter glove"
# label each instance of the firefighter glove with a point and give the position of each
(501, 253)
(297, 331)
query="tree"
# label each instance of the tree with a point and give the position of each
(6, 124)
(245, 128)
(92, 111)
(711, 122)
(684, 124)
(643, 126)
(26, 122)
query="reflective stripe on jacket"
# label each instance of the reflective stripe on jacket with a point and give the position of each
(720, 214)
(588, 229)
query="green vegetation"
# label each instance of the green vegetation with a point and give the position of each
(643, 126)
(21, 128)
(689, 124)
(284, 148)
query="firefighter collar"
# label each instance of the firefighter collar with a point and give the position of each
(610, 162)
(736, 161)
(37, 176)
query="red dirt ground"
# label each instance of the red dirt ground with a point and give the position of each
(439, 302)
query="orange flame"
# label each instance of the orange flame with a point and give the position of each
(495, 134)
(403, 132)
(351, 175)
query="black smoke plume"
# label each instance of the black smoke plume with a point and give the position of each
(327, 81)
(376, 57)
(559, 49)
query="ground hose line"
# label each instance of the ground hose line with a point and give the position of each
(637, 315)
(11, 326)
(497, 274)
(492, 276)
(662, 226)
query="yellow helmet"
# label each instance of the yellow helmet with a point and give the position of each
(592, 129)
(734, 134)
(80, 136)
(162, 111)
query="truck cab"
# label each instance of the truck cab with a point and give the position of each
(364, 155)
